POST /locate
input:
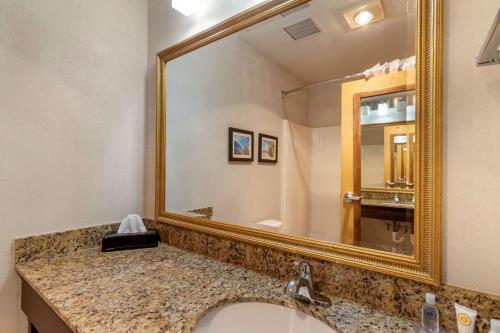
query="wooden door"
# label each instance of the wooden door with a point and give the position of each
(352, 92)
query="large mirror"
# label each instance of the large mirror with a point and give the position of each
(304, 129)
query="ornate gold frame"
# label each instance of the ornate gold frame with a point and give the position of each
(425, 265)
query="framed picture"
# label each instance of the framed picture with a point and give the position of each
(268, 148)
(240, 145)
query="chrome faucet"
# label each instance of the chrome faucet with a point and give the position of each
(301, 287)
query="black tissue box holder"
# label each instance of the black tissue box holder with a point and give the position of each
(119, 242)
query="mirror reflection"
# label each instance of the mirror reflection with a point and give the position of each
(302, 124)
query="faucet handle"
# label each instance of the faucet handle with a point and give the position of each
(301, 288)
(305, 271)
(299, 262)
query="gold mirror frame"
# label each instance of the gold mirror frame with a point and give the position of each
(425, 265)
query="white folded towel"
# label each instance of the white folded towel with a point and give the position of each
(391, 67)
(131, 224)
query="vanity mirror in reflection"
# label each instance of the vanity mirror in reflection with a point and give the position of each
(378, 117)
(317, 107)
(387, 171)
(388, 140)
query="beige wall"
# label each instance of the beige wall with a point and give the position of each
(471, 150)
(296, 166)
(247, 96)
(324, 105)
(471, 117)
(72, 110)
(165, 28)
(372, 165)
(324, 194)
(372, 156)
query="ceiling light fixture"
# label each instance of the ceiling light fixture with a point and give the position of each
(186, 7)
(365, 13)
(363, 17)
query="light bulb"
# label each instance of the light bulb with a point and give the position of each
(363, 17)
(186, 7)
(383, 109)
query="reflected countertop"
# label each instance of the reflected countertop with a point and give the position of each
(166, 289)
(387, 203)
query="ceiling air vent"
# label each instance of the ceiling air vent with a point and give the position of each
(302, 29)
(295, 9)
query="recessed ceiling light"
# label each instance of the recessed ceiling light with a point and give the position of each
(363, 17)
(186, 7)
(365, 13)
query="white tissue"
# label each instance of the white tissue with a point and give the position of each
(131, 224)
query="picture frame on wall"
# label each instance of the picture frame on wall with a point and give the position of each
(268, 148)
(240, 145)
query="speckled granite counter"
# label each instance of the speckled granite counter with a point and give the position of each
(384, 203)
(166, 289)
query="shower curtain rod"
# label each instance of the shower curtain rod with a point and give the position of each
(352, 76)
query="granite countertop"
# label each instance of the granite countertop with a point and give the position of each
(385, 203)
(166, 289)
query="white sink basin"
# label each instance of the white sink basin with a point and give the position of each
(259, 318)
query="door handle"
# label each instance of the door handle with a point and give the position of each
(350, 197)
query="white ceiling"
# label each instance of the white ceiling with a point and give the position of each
(337, 50)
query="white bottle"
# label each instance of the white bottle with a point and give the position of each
(430, 314)
(494, 326)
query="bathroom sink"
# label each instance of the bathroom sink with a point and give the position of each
(255, 317)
